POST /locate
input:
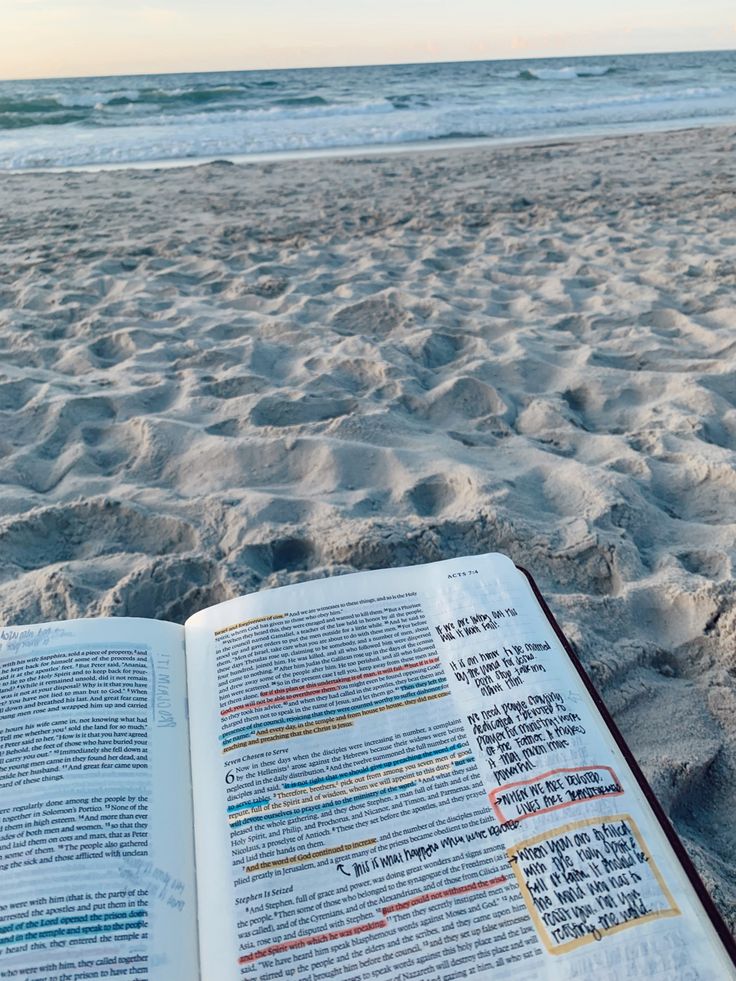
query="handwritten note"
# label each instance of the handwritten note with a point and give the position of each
(588, 879)
(515, 735)
(553, 790)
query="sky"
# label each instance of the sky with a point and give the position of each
(45, 38)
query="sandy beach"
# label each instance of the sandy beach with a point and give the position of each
(223, 378)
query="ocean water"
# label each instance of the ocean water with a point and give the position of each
(143, 119)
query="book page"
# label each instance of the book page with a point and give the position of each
(400, 775)
(96, 841)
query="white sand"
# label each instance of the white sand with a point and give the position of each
(223, 378)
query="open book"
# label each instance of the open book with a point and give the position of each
(389, 775)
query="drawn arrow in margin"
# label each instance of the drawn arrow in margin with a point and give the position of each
(341, 869)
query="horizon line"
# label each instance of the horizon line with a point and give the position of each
(388, 64)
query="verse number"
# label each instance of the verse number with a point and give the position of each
(230, 777)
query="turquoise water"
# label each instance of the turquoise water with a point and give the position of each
(156, 118)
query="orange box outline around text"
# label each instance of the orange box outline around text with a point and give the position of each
(672, 910)
(554, 807)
